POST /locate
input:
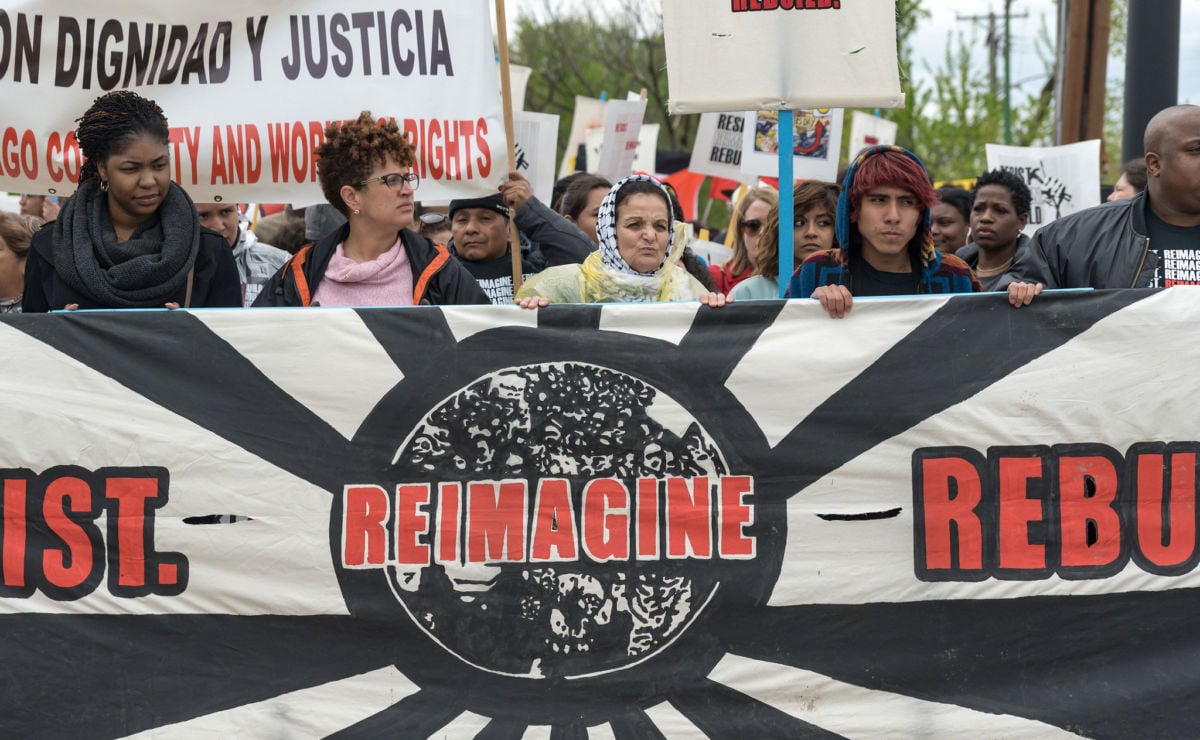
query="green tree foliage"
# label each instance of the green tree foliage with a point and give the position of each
(1114, 109)
(949, 117)
(590, 52)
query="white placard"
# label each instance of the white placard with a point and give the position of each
(622, 127)
(816, 143)
(1062, 179)
(772, 54)
(718, 148)
(518, 77)
(589, 114)
(536, 142)
(868, 130)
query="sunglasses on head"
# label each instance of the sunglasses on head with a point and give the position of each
(752, 227)
(433, 217)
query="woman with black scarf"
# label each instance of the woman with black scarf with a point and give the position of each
(128, 237)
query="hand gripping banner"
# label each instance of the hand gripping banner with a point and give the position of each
(940, 517)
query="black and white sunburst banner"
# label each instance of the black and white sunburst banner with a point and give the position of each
(939, 517)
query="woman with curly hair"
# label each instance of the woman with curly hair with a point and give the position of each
(375, 259)
(128, 237)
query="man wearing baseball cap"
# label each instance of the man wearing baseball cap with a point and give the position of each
(479, 228)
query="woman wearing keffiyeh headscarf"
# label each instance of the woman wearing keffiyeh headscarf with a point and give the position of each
(638, 259)
(128, 237)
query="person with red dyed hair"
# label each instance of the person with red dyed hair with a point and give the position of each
(886, 244)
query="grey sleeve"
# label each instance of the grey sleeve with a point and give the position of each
(560, 241)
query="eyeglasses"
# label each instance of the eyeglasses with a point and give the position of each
(394, 179)
(433, 218)
(752, 227)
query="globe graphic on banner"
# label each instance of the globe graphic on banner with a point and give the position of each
(559, 619)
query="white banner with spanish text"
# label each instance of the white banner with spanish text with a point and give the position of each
(248, 88)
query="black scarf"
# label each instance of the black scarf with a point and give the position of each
(145, 272)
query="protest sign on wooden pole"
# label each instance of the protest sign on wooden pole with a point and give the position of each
(848, 50)
(786, 217)
(514, 235)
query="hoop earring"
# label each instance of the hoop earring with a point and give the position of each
(104, 186)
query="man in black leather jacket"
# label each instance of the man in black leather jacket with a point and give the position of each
(1151, 240)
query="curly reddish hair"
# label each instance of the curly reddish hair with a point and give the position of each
(891, 169)
(352, 149)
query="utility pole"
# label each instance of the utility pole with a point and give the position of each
(1083, 62)
(1151, 68)
(1008, 72)
(994, 52)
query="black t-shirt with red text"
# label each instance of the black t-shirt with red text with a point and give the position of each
(1178, 250)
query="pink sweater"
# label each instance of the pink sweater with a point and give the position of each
(386, 280)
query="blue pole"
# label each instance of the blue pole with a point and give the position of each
(786, 217)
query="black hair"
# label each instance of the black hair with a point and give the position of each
(1135, 173)
(575, 198)
(112, 121)
(1021, 197)
(957, 198)
(560, 189)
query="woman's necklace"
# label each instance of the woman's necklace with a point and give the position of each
(994, 270)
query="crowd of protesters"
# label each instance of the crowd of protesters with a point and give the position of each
(131, 238)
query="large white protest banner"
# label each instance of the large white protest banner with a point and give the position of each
(816, 143)
(248, 88)
(536, 145)
(1061, 179)
(604, 521)
(738, 55)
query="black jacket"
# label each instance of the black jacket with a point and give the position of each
(1101, 247)
(215, 282)
(557, 240)
(438, 278)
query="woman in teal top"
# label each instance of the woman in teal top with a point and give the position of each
(814, 211)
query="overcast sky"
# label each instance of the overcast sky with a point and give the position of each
(931, 38)
(1027, 72)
